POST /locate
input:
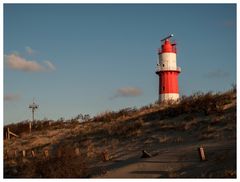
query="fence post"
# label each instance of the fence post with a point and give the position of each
(33, 153)
(30, 126)
(8, 134)
(201, 153)
(24, 153)
(46, 153)
(77, 151)
(105, 155)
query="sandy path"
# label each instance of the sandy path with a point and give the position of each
(174, 161)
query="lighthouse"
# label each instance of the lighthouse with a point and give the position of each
(168, 71)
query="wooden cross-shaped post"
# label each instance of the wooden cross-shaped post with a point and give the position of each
(32, 106)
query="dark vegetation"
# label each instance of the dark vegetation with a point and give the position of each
(66, 166)
(111, 127)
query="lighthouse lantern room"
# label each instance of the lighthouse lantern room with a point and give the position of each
(168, 71)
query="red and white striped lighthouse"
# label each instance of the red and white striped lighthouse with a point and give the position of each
(168, 71)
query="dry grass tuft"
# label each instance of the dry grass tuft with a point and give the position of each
(230, 173)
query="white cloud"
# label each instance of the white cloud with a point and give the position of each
(127, 92)
(50, 65)
(11, 97)
(16, 62)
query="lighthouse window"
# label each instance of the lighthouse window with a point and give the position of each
(163, 88)
(162, 65)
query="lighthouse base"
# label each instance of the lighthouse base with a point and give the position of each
(168, 97)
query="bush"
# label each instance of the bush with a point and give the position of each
(65, 167)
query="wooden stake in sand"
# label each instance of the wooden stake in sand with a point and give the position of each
(24, 153)
(46, 153)
(8, 134)
(105, 155)
(77, 151)
(33, 153)
(201, 153)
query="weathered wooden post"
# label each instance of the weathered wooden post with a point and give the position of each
(201, 153)
(77, 151)
(46, 153)
(105, 155)
(8, 133)
(30, 126)
(32, 106)
(24, 153)
(33, 153)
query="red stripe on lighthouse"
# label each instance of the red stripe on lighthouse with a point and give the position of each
(168, 82)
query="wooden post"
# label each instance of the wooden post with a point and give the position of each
(24, 153)
(201, 153)
(46, 153)
(77, 151)
(30, 126)
(8, 134)
(33, 153)
(105, 156)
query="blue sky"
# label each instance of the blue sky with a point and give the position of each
(87, 59)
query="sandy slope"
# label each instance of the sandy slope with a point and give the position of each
(172, 141)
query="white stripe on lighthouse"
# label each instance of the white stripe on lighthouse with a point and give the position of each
(168, 61)
(168, 96)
